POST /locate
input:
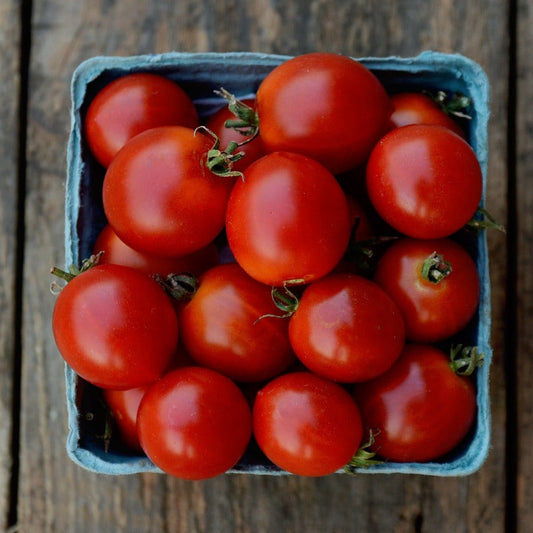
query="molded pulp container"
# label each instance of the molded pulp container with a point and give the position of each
(200, 75)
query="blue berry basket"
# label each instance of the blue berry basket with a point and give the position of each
(199, 74)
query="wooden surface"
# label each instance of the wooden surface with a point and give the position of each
(41, 490)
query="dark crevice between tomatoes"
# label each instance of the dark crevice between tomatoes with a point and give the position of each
(26, 8)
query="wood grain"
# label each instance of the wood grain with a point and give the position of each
(9, 106)
(524, 264)
(56, 495)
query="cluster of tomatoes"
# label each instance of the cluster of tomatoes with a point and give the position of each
(243, 288)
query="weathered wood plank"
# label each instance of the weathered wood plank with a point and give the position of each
(524, 226)
(9, 107)
(56, 495)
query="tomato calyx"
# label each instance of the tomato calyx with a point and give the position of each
(180, 287)
(465, 359)
(284, 299)
(220, 162)
(482, 219)
(455, 104)
(435, 268)
(363, 457)
(246, 120)
(73, 271)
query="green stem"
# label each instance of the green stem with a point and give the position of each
(435, 268)
(247, 120)
(181, 287)
(220, 162)
(482, 219)
(465, 359)
(363, 457)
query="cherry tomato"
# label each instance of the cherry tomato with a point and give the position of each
(119, 253)
(323, 105)
(160, 198)
(424, 180)
(346, 328)
(418, 108)
(115, 327)
(306, 425)
(434, 283)
(419, 409)
(124, 405)
(253, 149)
(194, 423)
(222, 326)
(288, 221)
(130, 105)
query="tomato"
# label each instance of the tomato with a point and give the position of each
(346, 328)
(115, 327)
(323, 105)
(288, 221)
(419, 409)
(424, 180)
(306, 425)
(119, 253)
(194, 423)
(160, 198)
(437, 304)
(418, 108)
(222, 327)
(124, 405)
(130, 105)
(253, 150)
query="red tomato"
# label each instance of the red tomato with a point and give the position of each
(288, 220)
(432, 310)
(119, 253)
(130, 105)
(424, 180)
(346, 328)
(418, 108)
(124, 405)
(222, 328)
(115, 327)
(306, 425)
(194, 423)
(419, 409)
(326, 106)
(160, 198)
(253, 149)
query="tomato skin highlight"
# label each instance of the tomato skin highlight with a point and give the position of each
(346, 328)
(130, 105)
(288, 220)
(115, 327)
(424, 180)
(323, 105)
(160, 198)
(194, 423)
(432, 311)
(306, 425)
(419, 409)
(223, 329)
